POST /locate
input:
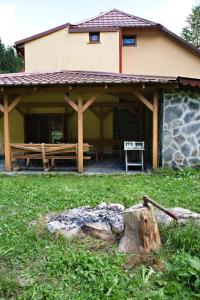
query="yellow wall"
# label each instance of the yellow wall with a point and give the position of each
(157, 54)
(16, 129)
(71, 51)
(91, 123)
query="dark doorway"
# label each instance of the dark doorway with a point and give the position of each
(45, 128)
(134, 124)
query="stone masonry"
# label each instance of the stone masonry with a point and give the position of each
(181, 129)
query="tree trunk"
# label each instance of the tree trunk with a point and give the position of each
(141, 233)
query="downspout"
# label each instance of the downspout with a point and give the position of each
(120, 50)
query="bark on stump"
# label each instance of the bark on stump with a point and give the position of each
(141, 234)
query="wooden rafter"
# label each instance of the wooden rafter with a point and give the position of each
(14, 103)
(106, 113)
(95, 112)
(86, 89)
(20, 111)
(70, 114)
(71, 103)
(101, 114)
(144, 100)
(1, 108)
(90, 102)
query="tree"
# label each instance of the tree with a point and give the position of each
(10, 61)
(191, 32)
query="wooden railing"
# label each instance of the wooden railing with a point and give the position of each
(48, 153)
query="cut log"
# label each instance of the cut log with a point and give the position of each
(141, 234)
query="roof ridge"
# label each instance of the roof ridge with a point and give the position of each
(113, 10)
(134, 16)
(92, 18)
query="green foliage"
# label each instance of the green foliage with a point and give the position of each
(37, 265)
(191, 32)
(181, 278)
(184, 238)
(10, 62)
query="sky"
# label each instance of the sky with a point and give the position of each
(23, 18)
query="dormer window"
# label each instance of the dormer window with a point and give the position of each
(129, 40)
(94, 37)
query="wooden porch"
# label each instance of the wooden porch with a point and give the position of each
(78, 94)
(74, 150)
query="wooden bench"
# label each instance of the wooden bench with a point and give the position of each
(46, 153)
(100, 147)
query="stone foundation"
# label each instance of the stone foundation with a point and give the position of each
(181, 129)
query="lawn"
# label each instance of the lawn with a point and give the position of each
(36, 265)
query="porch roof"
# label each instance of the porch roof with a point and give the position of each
(78, 77)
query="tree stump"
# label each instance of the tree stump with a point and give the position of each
(141, 234)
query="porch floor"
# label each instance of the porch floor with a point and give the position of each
(91, 167)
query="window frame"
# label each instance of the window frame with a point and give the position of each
(129, 36)
(90, 37)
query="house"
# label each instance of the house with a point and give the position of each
(113, 78)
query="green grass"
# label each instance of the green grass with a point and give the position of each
(36, 265)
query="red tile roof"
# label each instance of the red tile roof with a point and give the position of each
(112, 19)
(109, 21)
(77, 77)
(191, 82)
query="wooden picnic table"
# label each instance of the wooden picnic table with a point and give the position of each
(47, 153)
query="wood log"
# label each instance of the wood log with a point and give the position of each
(141, 234)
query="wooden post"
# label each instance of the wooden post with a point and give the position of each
(7, 135)
(80, 134)
(155, 129)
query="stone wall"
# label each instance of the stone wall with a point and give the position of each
(181, 129)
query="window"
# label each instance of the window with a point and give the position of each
(129, 40)
(94, 37)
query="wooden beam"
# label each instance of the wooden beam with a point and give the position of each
(1, 108)
(90, 102)
(63, 105)
(155, 129)
(20, 111)
(70, 114)
(144, 100)
(86, 89)
(80, 134)
(95, 112)
(14, 103)
(106, 113)
(7, 135)
(71, 103)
